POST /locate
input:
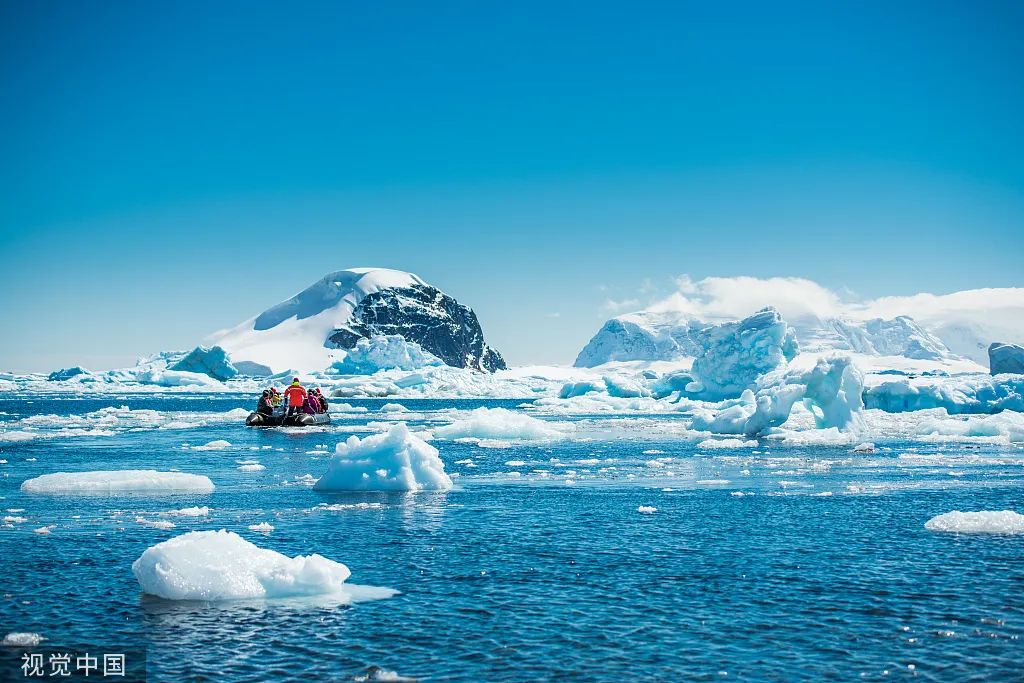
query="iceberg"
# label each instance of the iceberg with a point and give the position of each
(734, 355)
(984, 522)
(574, 389)
(962, 394)
(383, 352)
(113, 482)
(212, 361)
(221, 565)
(500, 423)
(396, 461)
(1006, 426)
(175, 378)
(17, 639)
(1005, 358)
(831, 390)
(65, 374)
(621, 387)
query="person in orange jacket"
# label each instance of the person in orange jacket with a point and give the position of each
(295, 397)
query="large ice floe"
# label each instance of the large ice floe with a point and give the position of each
(984, 522)
(831, 390)
(221, 565)
(965, 394)
(113, 482)
(503, 424)
(395, 461)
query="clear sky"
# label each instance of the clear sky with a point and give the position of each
(172, 168)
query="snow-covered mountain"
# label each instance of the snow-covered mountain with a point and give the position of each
(308, 330)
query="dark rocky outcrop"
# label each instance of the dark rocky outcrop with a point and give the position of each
(1006, 358)
(427, 316)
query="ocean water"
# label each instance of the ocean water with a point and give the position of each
(538, 566)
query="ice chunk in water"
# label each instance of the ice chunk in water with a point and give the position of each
(501, 423)
(22, 639)
(984, 522)
(221, 565)
(112, 482)
(396, 461)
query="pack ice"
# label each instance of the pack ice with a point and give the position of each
(221, 565)
(396, 461)
(112, 482)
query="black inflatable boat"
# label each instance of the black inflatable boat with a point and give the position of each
(278, 419)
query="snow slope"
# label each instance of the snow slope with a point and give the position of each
(292, 333)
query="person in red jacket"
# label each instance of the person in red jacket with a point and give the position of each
(295, 397)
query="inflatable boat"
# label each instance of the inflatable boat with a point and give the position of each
(278, 419)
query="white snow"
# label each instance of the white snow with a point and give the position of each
(396, 461)
(221, 565)
(114, 482)
(501, 423)
(984, 522)
(16, 639)
(293, 333)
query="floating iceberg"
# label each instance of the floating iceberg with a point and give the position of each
(621, 387)
(175, 378)
(65, 374)
(383, 352)
(831, 390)
(500, 423)
(396, 461)
(574, 389)
(221, 565)
(22, 639)
(212, 361)
(114, 482)
(965, 394)
(985, 522)
(1008, 426)
(734, 355)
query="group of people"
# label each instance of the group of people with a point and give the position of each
(295, 398)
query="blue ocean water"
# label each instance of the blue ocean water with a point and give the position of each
(822, 570)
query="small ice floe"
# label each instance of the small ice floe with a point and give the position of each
(113, 482)
(12, 519)
(515, 463)
(983, 522)
(396, 461)
(217, 445)
(16, 639)
(740, 494)
(727, 443)
(344, 507)
(865, 447)
(375, 673)
(653, 451)
(203, 511)
(155, 524)
(264, 527)
(393, 408)
(647, 509)
(302, 480)
(503, 424)
(712, 482)
(252, 467)
(654, 464)
(221, 565)
(44, 530)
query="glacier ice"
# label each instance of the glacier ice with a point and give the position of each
(831, 390)
(618, 386)
(500, 423)
(114, 482)
(175, 378)
(961, 394)
(983, 522)
(1005, 358)
(221, 565)
(212, 361)
(383, 352)
(734, 355)
(65, 374)
(1008, 426)
(395, 461)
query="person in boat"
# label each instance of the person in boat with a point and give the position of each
(295, 397)
(265, 406)
(322, 400)
(312, 405)
(275, 397)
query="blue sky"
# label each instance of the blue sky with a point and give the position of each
(174, 168)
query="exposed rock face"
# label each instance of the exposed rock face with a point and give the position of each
(425, 315)
(1006, 358)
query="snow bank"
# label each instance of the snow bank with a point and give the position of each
(831, 390)
(396, 461)
(734, 355)
(221, 565)
(500, 423)
(384, 352)
(985, 522)
(212, 361)
(118, 481)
